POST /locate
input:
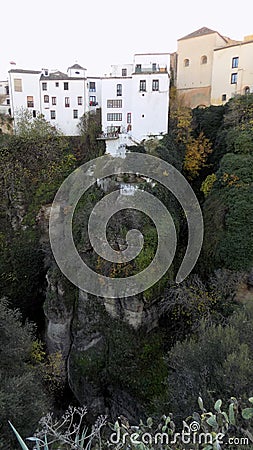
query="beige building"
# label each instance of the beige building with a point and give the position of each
(194, 66)
(232, 71)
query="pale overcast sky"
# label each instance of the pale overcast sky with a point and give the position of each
(55, 34)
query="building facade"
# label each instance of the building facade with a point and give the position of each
(232, 71)
(195, 57)
(62, 98)
(135, 101)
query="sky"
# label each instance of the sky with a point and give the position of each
(56, 34)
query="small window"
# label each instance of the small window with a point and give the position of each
(224, 97)
(34, 113)
(53, 115)
(8, 101)
(93, 100)
(66, 86)
(92, 86)
(79, 100)
(44, 86)
(53, 100)
(203, 59)
(75, 113)
(234, 78)
(129, 117)
(142, 85)
(186, 62)
(7, 90)
(138, 68)
(46, 98)
(246, 90)
(67, 102)
(57, 84)
(124, 72)
(235, 62)
(119, 90)
(30, 102)
(17, 85)
(155, 85)
(143, 115)
(154, 67)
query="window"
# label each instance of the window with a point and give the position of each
(155, 85)
(57, 84)
(53, 115)
(234, 78)
(124, 72)
(154, 68)
(114, 103)
(8, 101)
(93, 100)
(44, 86)
(142, 85)
(129, 117)
(53, 100)
(138, 68)
(65, 86)
(246, 90)
(7, 90)
(34, 113)
(119, 90)
(114, 117)
(67, 102)
(186, 62)
(203, 59)
(46, 98)
(224, 97)
(75, 113)
(30, 102)
(235, 62)
(17, 85)
(79, 100)
(92, 87)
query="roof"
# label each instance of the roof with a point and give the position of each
(59, 76)
(77, 66)
(24, 71)
(201, 32)
(234, 44)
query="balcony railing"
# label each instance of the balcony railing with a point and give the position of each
(151, 69)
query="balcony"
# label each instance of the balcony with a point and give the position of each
(151, 69)
(111, 133)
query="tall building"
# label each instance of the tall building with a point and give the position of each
(195, 58)
(135, 101)
(232, 71)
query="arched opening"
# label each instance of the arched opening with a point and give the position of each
(246, 90)
(186, 62)
(203, 59)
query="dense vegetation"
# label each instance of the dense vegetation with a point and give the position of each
(202, 344)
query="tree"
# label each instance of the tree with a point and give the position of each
(23, 400)
(197, 151)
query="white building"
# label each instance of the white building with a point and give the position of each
(64, 98)
(135, 101)
(4, 97)
(61, 98)
(24, 91)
